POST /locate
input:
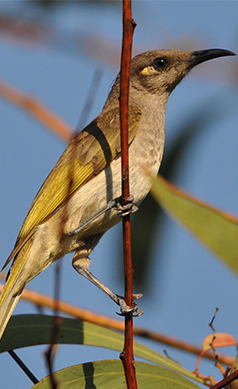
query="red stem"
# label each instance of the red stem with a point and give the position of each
(227, 380)
(128, 29)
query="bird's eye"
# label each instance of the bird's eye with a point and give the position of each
(160, 63)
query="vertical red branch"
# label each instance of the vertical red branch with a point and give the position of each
(128, 29)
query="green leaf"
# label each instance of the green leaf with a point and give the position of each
(216, 229)
(32, 330)
(110, 374)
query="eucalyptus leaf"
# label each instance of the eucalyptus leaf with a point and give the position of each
(33, 330)
(217, 230)
(110, 374)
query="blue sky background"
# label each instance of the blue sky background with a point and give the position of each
(58, 69)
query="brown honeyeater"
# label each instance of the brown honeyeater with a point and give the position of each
(80, 199)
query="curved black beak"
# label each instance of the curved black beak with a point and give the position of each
(200, 56)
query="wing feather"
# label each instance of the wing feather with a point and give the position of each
(86, 155)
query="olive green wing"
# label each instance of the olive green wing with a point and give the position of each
(86, 156)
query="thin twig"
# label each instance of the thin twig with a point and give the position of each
(23, 367)
(211, 322)
(49, 354)
(128, 29)
(90, 98)
(57, 320)
(86, 110)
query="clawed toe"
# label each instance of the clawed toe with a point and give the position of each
(125, 309)
(137, 296)
(125, 209)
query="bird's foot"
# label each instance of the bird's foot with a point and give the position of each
(125, 309)
(124, 209)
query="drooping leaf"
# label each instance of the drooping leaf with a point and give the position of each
(217, 230)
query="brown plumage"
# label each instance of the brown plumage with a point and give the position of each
(78, 201)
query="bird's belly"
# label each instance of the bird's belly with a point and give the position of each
(81, 209)
(98, 192)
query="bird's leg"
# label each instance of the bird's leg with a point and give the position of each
(109, 206)
(81, 263)
(122, 210)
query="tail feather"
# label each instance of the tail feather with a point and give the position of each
(12, 290)
(6, 308)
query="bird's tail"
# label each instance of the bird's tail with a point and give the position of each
(8, 301)
(12, 290)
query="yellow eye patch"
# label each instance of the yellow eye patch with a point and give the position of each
(148, 70)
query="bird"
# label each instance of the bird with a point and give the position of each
(81, 197)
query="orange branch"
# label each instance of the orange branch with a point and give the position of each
(42, 300)
(38, 110)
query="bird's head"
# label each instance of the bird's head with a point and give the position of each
(159, 71)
